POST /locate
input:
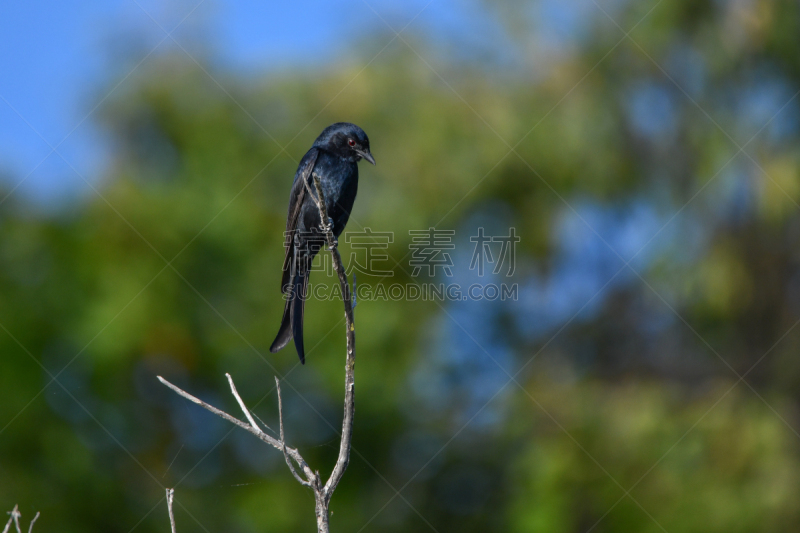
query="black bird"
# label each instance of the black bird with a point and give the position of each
(334, 159)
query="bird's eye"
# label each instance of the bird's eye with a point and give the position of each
(351, 142)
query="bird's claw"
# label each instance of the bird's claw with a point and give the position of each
(328, 228)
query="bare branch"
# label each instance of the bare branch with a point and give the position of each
(323, 215)
(35, 518)
(14, 513)
(349, 391)
(241, 403)
(14, 517)
(322, 493)
(353, 299)
(311, 193)
(216, 411)
(170, 497)
(283, 439)
(293, 453)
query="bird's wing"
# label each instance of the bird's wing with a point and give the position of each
(296, 199)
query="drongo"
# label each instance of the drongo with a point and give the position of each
(333, 158)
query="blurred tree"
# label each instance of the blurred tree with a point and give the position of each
(654, 186)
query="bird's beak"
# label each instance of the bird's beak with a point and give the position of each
(367, 156)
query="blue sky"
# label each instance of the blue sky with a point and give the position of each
(56, 58)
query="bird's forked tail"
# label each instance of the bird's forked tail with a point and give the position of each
(292, 321)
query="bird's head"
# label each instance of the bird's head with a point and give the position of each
(346, 140)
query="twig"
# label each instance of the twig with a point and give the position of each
(283, 439)
(311, 193)
(35, 518)
(241, 403)
(349, 393)
(13, 513)
(16, 515)
(170, 497)
(293, 453)
(14, 519)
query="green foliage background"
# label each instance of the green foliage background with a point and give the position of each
(631, 417)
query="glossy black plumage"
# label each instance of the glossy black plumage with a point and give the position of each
(333, 158)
